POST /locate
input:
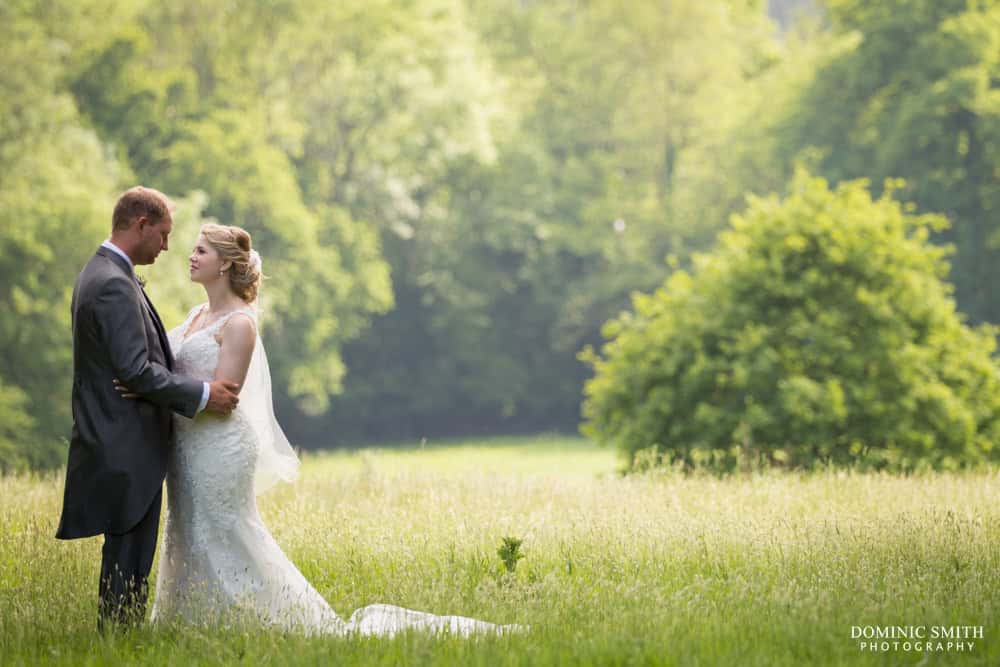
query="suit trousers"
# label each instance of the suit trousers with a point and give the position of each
(125, 564)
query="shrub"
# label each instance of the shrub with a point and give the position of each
(820, 329)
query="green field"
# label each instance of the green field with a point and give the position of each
(769, 569)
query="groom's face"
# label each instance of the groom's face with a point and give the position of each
(153, 239)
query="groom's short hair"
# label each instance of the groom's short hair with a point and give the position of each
(141, 201)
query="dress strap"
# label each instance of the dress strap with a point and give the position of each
(195, 312)
(185, 327)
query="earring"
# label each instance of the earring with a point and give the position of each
(222, 273)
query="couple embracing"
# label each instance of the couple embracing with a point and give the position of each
(192, 406)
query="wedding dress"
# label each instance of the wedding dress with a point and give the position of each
(218, 558)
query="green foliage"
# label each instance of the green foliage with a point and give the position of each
(16, 428)
(56, 185)
(818, 330)
(518, 169)
(909, 90)
(161, 96)
(504, 268)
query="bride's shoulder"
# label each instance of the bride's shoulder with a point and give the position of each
(240, 332)
(242, 317)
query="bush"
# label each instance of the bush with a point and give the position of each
(819, 330)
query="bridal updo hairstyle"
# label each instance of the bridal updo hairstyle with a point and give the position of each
(233, 245)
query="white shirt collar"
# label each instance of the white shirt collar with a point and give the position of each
(111, 246)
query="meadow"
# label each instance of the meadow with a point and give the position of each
(767, 568)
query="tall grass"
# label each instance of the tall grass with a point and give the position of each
(766, 569)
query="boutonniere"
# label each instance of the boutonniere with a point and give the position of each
(140, 280)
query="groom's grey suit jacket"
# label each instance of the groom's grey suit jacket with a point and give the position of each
(118, 448)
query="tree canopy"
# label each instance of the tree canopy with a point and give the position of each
(452, 197)
(909, 89)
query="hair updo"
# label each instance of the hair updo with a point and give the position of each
(234, 245)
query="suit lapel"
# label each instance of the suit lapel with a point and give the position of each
(161, 332)
(151, 313)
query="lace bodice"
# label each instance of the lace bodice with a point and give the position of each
(197, 353)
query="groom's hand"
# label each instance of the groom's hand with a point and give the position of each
(222, 397)
(124, 391)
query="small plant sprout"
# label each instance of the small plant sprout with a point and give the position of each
(510, 552)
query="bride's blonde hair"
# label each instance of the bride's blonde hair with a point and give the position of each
(234, 245)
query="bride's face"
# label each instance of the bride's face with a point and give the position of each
(205, 263)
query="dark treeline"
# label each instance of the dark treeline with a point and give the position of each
(453, 196)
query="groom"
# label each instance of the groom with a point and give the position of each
(118, 448)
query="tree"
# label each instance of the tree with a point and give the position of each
(504, 268)
(819, 329)
(16, 430)
(914, 87)
(56, 182)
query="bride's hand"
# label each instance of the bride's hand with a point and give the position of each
(124, 391)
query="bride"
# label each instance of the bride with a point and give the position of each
(218, 558)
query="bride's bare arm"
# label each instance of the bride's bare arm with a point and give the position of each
(237, 340)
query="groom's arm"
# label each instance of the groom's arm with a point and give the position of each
(119, 322)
